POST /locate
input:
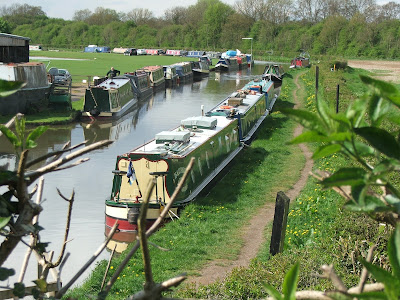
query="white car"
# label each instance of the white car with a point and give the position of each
(141, 52)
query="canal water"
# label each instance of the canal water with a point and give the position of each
(92, 180)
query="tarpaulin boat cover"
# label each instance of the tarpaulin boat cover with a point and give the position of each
(169, 136)
(200, 122)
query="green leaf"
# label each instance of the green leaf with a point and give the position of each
(19, 290)
(345, 176)
(34, 135)
(394, 252)
(6, 177)
(4, 221)
(10, 87)
(290, 283)
(272, 291)
(359, 149)
(382, 86)
(11, 137)
(5, 273)
(308, 119)
(323, 111)
(35, 293)
(394, 202)
(327, 150)
(356, 112)
(41, 284)
(391, 283)
(381, 140)
(342, 119)
(377, 110)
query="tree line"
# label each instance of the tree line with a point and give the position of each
(354, 28)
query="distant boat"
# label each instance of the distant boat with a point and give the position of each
(140, 83)
(184, 71)
(227, 64)
(275, 73)
(213, 139)
(200, 69)
(156, 75)
(303, 60)
(170, 75)
(110, 99)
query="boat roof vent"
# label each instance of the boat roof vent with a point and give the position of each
(200, 122)
(169, 136)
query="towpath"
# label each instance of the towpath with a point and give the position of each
(253, 236)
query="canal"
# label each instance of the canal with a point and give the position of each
(92, 180)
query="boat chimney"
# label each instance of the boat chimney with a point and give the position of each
(202, 110)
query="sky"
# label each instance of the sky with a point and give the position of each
(66, 9)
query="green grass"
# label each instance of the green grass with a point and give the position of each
(211, 227)
(98, 64)
(319, 230)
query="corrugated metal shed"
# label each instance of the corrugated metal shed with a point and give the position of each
(14, 48)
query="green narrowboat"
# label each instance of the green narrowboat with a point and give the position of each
(213, 139)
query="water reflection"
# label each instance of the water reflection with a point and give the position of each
(92, 180)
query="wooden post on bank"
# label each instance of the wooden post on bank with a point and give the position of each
(337, 99)
(280, 222)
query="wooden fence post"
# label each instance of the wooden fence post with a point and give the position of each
(280, 222)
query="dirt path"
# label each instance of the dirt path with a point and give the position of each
(252, 235)
(383, 70)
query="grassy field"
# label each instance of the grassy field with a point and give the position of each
(83, 65)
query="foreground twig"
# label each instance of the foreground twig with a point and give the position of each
(88, 263)
(151, 230)
(33, 237)
(58, 163)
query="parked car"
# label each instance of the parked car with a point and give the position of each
(60, 76)
(141, 52)
(130, 51)
(160, 52)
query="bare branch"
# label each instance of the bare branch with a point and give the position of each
(56, 164)
(151, 230)
(56, 154)
(78, 162)
(69, 214)
(364, 272)
(142, 237)
(108, 267)
(329, 273)
(158, 247)
(88, 263)
(33, 237)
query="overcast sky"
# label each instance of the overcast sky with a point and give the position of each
(65, 9)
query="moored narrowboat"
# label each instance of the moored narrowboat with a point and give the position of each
(170, 75)
(110, 99)
(214, 139)
(184, 71)
(140, 83)
(227, 65)
(156, 75)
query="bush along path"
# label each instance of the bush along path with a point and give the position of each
(253, 234)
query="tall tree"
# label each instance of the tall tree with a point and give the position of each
(103, 16)
(82, 15)
(278, 11)
(19, 14)
(252, 9)
(141, 16)
(176, 15)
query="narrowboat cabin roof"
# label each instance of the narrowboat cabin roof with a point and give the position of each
(114, 83)
(180, 141)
